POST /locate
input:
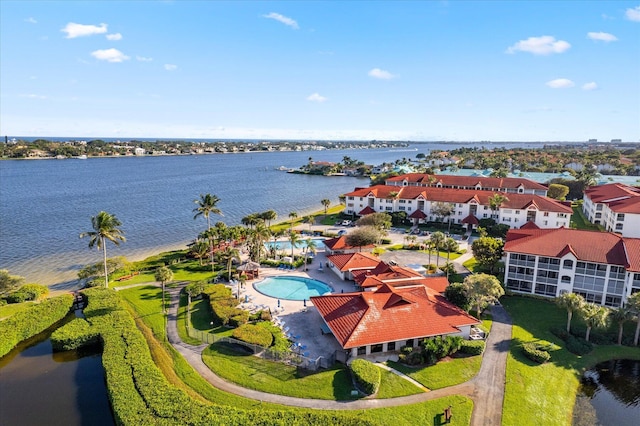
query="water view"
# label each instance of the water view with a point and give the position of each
(610, 395)
(39, 386)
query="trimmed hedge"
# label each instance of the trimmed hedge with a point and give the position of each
(28, 292)
(367, 375)
(535, 353)
(254, 334)
(140, 394)
(472, 347)
(36, 319)
(224, 305)
(575, 345)
(74, 335)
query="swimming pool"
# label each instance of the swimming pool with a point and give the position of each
(286, 245)
(291, 288)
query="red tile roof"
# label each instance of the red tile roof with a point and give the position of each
(530, 225)
(340, 243)
(450, 195)
(468, 181)
(418, 214)
(388, 314)
(348, 261)
(471, 219)
(397, 276)
(367, 210)
(589, 246)
(619, 197)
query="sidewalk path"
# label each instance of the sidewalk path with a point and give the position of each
(486, 389)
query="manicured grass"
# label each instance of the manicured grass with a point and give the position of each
(181, 322)
(580, 221)
(546, 392)
(472, 265)
(268, 376)
(12, 308)
(392, 386)
(448, 372)
(426, 413)
(147, 303)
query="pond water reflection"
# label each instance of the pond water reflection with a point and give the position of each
(39, 386)
(610, 395)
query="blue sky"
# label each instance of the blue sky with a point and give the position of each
(448, 70)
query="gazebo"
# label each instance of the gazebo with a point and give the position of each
(250, 269)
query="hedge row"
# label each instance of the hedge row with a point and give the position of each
(254, 334)
(472, 347)
(140, 394)
(28, 292)
(575, 345)
(535, 353)
(430, 350)
(367, 375)
(224, 305)
(74, 335)
(36, 319)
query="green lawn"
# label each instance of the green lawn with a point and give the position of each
(426, 413)
(274, 377)
(546, 392)
(447, 372)
(147, 303)
(392, 386)
(580, 221)
(12, 308)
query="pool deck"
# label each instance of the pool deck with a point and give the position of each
(303, 323)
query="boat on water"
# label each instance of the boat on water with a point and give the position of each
(81, 157)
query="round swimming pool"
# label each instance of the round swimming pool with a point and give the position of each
(291, 288)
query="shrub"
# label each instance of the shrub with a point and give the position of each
(472, 347)
(575, 345)
(536, 353)
(74, 335)
(224, 305)
(366, 375)
(254, 334)
(28, 323)
(456, 294)
(28, 292)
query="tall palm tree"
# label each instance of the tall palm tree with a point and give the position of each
(164, 275)
(292, 216)
(294, 239)
(257, 237)
(207, 206)
(633, 302)
(620, 316)
(495, 201)
(268, 216)
(449, 245)
(437, 238)
(325, 203)
(230, 254)
(311, 247)
(105, 227)
(594, 316)
(572, 303)
(200, 250)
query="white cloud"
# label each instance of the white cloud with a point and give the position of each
(109, 55)
(633, 14)
(284, 19)
(74, 30)
(170, 67)
(316, 97)
(143, 59)
(114, 37)
(590, 86)
(560, 83)
(543, 45)
(602, 36)
(31, 20)
(381, 74)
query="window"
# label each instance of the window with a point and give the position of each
(391, 346)
(599, 207)
(402, 201)
(619, 226)
(562, 215)
(567, 264)
(484, 215)
(546, 214)
(598, 215)
(376, 348)
(410, 343)
(565, 279)
(517, 211)
(389, 209)
(362, 350)
(620, 216)
(351, 198)
(401, 207)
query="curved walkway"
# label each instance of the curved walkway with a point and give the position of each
(486, 389)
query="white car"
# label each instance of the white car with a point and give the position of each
(346, 223)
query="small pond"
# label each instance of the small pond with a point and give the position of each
(610, 395)
(42, 387)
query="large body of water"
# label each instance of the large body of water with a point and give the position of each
(46, 204)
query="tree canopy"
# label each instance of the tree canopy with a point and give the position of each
(481, 290)
(572, 303)
(558, 191)
(9, 282)
(487, 251)
(380, 221)
(363, 236)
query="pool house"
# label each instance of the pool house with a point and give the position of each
(385, 320)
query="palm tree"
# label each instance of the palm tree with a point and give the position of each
(449, 245)
(311, 247)
(257, 237)
(325, 203)
(268, 216)
(200, 250)
(620, 316)
(292, 216)
(294, 239)
(230, 254)
(633, 302)
(251, 220)
(206, 206)
(164, 275)
(594, 316)
(105, 227)
(572, 303)
(437, 238)
(495, 201)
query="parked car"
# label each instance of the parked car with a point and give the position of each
(346, 223)
(341, 232)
